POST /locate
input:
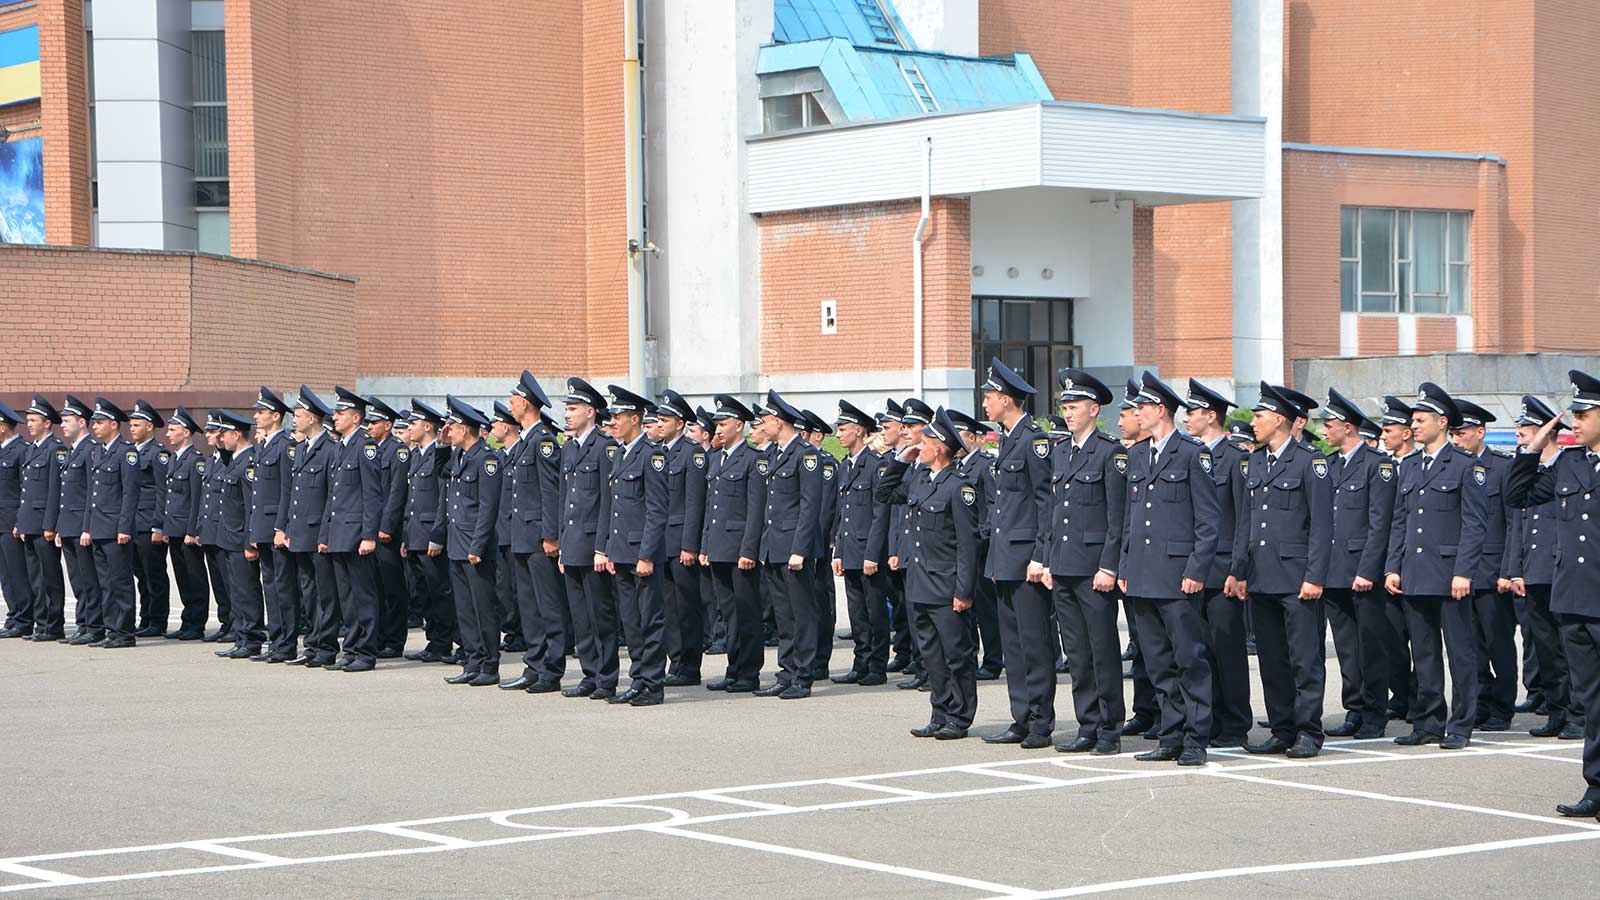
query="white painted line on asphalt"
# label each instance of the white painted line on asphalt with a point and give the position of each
(1015, 776)
(46, 877)
(882, 788)
(429, 837)
(235, 852)
(738, 801)
(848, 861)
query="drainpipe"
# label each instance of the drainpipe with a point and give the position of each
(633, 157)
(916, 271)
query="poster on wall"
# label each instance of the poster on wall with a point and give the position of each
(22, 191)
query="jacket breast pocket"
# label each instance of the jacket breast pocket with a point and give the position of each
(1286, 493)
(1089, 488)
(1566, 494)
(1013, 475)
(1174, 487)
(1442, 496)
(630, 485)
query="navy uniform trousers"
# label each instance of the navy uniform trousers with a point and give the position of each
(1088, 622)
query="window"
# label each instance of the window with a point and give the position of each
(210, 71)
(1031, 335)
(1404, 261)
(790, 112)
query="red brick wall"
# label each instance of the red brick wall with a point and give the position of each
(1435, 334)
(168, 322)
(1379, 333)
(1144, 284)
(604, 202)
(64, 113)
(865, 253)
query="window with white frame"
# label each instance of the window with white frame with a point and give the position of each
(1404, 260)
(791, 111)
(210, 82)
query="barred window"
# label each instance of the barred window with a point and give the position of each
(1404, 260)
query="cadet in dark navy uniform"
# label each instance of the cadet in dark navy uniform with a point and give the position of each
(206, 527)
(1364, 485)
(633, 513)
(1019, 557)
(1493, 609)
(14, 585)
(530, 518)
(1088, 498)
(470, 505)
(584, 465)
(180, 517)
(1531, 564)
(233, 538)
(1435, 547)
(1281, 563)
(150, 553)
(895, 432)
(1572, 482)
(793, 475)
(730, 541)
(422, 534)
(859, 542)
(683, 606)
(394, 600)
(1397, 443)
(913, 415)
(823, 588)
(269, 471)
(1223, 609)
(36, 520)
(976, 465)
(350, 530)
(300, 516)
(941, 567)
(1169, 542)
(77, 471)
(109, 523)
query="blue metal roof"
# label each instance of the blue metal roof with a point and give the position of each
(864, 23)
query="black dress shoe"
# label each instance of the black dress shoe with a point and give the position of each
(1531, 703)
(679, 679)
(117, 643)
(456, 657)
(228, 637)
(926, 731)
(15, 632)
(720, 684)
(950, 731)
(427, 656)
(1583, 809)
(1551, 727)
(625, 696)
(1495, 724)
(743, 686)
(899, 663)
(224, 653)
(1160, 754)
(81, 639)
(1107, 747)
(43, 637)
(578, 690)
(1571, 731)
(460, 678)
(772, 690)
(1305, 747)
(264, 656)
(1082, 744)
(313, 662)
(1346, 728)
(1192, 756)
(1418, 738)
(367, 665)
(337, 665)
(987, 675)
(1271, 746)
(1230, 740)
(1128, 652)
(98, 642)
(520, 683)
(717, 648)
(391, 652)
(297, 661)
(647, 698)
(795, 692)
(485, 679)
(1371, 732)
(545, 686)
(844, 634)
(274, 659)
(1454, 742)
(913, 683)
(1036, 742)
(1137, 725)
(872, 679)
(850, 677)
(1009, 736)
(602, 693)
(148, 631)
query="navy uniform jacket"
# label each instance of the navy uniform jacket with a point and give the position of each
(305, 496)
(355, 494)
(114, 490)
(41, 486)
(233, 520)
(268, 471)
(76, 471)
(208, 524)
(1290, 514)
(736, 503)
(153, 461)
(860, 534)
(583, 469)
(12, 456)
(681, 473)
(181, 505)
(827, 505)
(392, 464)
(695, 488)
(1229, 466)
(941, 559)
(1088, 498)
(1438, 527)
(794, 492)
(1363, 507)
(1571, 484)
(895, 532)
(1169, 532)
(1019, 519)
(393, 520)
(1532, 556)
(530, 509)
(634, 508)
(977, 467)
(421, 523)
(471, 502)
(1499, 528)
(505, 529)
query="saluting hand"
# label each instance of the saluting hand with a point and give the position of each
(1542, 437)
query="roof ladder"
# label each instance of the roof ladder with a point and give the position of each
(877, 22)
(919, 87)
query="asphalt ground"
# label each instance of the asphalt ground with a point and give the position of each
(162, 770)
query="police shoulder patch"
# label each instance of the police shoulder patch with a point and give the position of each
(547, 448)
(1319, 467)
(1120, 461)
(292, 449)
(761, 465)
(61, 456)
(402, 454)
(491, 466)
(611, 451)
(1041, 447)
(658, 461)
(249, 473)
(969, 494)
(827, 471)
(1244, 465)
(1386, 471)
(1205, 462)
(1479, 474)
(132, 457)
(699, 460)
(200, 466)
(809, 461)
(164, 457)
(371, 451)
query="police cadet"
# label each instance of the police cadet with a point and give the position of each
(508, 588)
(179, 521)
(530, 514)
(976, 465)
(1435, 546)
(914, 414)
(1146, 713)
(1493, 609)
(1363, 506)
(1572, 482)
(683, 606)
(1169, 541)
(1019, 553)
(793, 476)
(1223, 609)
(584, 465)
(469, 504)
(232, 536)
(1531, 564)
(77, 471)
(14, 585)
(1240, 435)
(702, 430)
(109, 521)
(149, 551)
(394, 600)
(893, 430)
(349, 532)
(1297, 428)
(300, 515)
(633, 513)
(40, 505)
(941, 565)
(1088, 498)
(815, 432)
(268, 476)
(422, 534)
(730, 542)
(206, 527)
(1283, 544)
(859, 540)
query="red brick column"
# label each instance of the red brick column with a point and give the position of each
(64, 115)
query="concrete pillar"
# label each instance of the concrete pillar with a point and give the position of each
(944, 26)
(1258, 224)
(144, 124)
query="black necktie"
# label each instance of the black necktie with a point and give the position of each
(1427, 463)
(1594, 460)
(1272, 462)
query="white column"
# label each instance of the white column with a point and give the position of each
(144, 129)
(1258, 224)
